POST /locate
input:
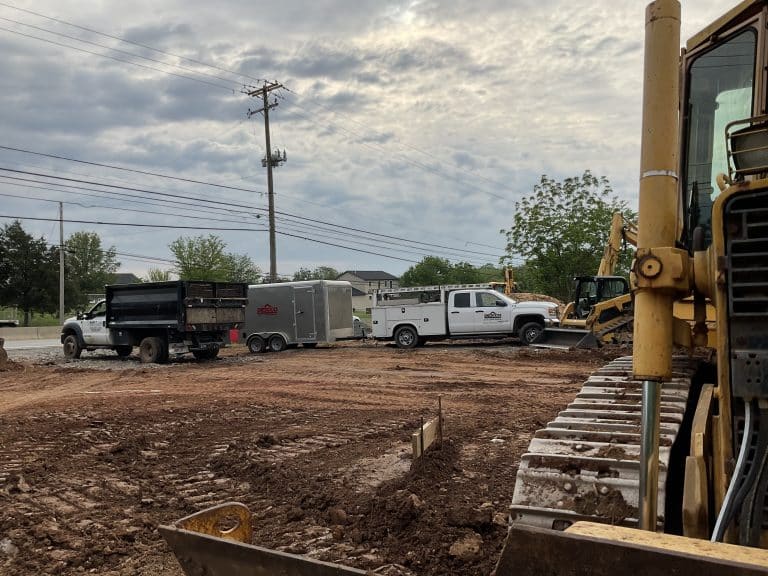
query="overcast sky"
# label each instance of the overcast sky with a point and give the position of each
(417, 121)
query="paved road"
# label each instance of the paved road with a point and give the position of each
(32, 344)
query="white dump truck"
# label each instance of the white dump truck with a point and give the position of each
(411, 316)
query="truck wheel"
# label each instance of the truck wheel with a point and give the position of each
(277, 343)
(406, 337)
(256, 344)
(152, 350)
(123, 351)
(72, 347)
(531, 333)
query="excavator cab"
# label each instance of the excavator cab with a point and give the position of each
(591, 290)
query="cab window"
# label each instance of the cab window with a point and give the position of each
(461, 300)
(720, 90)
(99, 310)
(485, 299)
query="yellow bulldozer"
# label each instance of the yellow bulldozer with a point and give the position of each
(660, 464)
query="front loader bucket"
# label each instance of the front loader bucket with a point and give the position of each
(590, 549)
(567, 338)
(216, 542)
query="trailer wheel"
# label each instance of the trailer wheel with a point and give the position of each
(72, 347)
(531, 333)
(406, 337)
(256, 344)
(277, 343)
(152, 350)
(123, 351)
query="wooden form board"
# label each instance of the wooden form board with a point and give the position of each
(425, 436)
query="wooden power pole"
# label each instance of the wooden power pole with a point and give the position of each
(269, 161)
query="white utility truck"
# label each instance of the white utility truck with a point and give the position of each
(411, 316)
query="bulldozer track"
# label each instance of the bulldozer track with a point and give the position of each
(585, 464)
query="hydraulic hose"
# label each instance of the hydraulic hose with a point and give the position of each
(730, 506)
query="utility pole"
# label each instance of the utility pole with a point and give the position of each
(269, 161)
(61, 263)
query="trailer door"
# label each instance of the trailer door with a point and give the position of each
(304, 312)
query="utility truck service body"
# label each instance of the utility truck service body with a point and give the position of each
(411, 316)
(307, 312)
(161, 318)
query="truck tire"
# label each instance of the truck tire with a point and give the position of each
(72, 348)
(256, 344)
(406, 337)
(208, 354)
(531, 333)
(123, 351)
(277, 343)
(153, 350)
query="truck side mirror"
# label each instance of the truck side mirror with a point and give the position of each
(501, 303)
(80, 315)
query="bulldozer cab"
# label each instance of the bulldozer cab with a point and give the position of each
(591, 290)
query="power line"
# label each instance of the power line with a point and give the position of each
(132, 54)
(91, 30)
(207, 228)
(134, 224)
(144, 172)
(230, 205)
(405, 144)
(116, 59)
(289, 225)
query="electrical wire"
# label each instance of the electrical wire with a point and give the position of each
(116, 59)
(140, 45)
(230, 205)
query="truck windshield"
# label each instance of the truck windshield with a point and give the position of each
(720, 90)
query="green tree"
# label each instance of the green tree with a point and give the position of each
(205, 258)
(318, 273)
(561, 230)
(430, 271)
(435, 270)
(242, 269)
(200, 258)
(88, 267)
(28, 272)
(157, 275)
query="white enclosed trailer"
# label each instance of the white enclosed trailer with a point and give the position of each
(309, 312)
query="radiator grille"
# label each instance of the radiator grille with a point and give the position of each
(747, 247)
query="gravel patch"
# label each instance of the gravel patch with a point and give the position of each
(109, 360)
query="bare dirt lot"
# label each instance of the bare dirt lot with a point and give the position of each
(95, 455)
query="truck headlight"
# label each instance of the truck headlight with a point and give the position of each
(553, 312)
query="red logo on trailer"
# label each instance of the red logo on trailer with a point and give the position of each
(267, 310)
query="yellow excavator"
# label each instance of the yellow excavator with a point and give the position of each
(602, 304)
(660, 464)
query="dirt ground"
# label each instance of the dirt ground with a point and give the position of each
(315, 442)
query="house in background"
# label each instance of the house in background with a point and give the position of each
(126, 278)
(364, 282)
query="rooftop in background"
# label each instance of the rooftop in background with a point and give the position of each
(126, 278)
(370, 275)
